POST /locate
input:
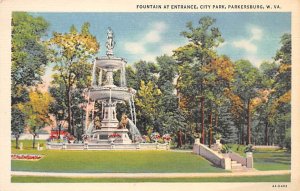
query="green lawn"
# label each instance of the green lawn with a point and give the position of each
(272, 160)
(267, 159)
(114, 161)
(32, 179)
(137, 161)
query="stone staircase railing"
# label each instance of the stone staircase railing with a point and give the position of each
(230, 161)
(212, 156)
(245, 161)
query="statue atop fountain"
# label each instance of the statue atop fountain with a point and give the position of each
(110, 43)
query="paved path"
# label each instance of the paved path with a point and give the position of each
(152, 175)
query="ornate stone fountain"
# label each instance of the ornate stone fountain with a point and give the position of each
(108, 94)
(109, 133)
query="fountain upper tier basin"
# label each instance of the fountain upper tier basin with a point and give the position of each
(116, 93)
(110, 63)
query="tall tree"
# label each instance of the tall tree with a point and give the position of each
(170, 118)
(192, 58)
(282, 103)
(246, 84)
(36, 111)
(266, 114)
(72, 54)
(17, 123)
(147, 106)
(219, 77)
(28, 62)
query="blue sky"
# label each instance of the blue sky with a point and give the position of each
(144, 36)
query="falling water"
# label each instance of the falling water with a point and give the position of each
(90, 129)
(136, 135)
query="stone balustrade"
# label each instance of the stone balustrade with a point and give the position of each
(212, 156)
(236, 157)
(112, 146)
(223, 161)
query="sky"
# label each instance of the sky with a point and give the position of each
(144, 36)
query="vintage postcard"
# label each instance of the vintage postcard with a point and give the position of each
(149, 95)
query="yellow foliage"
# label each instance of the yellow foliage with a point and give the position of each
(285, 98)
(222, 67)
(237, 106)
(36, 109)
(284, 67)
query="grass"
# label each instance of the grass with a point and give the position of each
(33, 179)
(113, 162)
(272, 160)
(138, 161)
(267, 158)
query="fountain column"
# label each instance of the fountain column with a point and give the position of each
(109, 78)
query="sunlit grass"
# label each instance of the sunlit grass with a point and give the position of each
(33, 179)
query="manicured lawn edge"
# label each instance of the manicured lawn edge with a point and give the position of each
(45, 179)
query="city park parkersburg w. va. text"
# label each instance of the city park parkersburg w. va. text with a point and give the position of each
(193, 95)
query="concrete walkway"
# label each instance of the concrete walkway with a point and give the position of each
(152, 175)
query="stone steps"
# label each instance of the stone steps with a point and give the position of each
(237, 167)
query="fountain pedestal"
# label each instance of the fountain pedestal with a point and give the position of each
(106, 135)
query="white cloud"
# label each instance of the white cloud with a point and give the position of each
(159, 26)
(257, 61)
(168, 48)
(250, 44)
(149, 57)
(154, 35)
(139, 46)
(134, 47)
(223, 44)
(257, 33)
(247, 45)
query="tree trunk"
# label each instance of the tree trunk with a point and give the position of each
(69, 110)
(243, 136)
(266, 133)
(33, 141)
(216, 120)
(17, 141)
(210, 129)
(248, 124)
(72, 124)
(202, 121)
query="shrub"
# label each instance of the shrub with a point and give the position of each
(225, 149)
(249, 148)
(218, 136)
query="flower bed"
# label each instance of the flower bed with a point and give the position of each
(26, 157)
(166, 138)
(114, 135)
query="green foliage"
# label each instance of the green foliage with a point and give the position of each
(218, 136)
(36, 111)
(225, 149)
(72, 53)
(249, 148)
(287, 139)
(17, 123)
(28, 54)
